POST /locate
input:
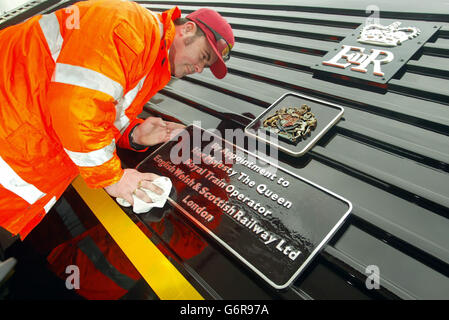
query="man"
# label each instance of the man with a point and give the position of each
(72, 85)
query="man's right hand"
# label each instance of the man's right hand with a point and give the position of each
(130, 183)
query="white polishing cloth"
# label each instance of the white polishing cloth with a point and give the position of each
(141, 206)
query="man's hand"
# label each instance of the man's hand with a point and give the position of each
(155, 130)
(130, 183)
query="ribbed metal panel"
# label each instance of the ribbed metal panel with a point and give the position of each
(389, 155)
(29, 9)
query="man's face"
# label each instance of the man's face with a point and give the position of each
(188, 53)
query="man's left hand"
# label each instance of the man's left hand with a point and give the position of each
(154, 130)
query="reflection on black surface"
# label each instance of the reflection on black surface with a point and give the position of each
(274, 245)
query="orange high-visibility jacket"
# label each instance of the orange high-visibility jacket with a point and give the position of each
(71, 85)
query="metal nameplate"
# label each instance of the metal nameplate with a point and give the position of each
(274, 221)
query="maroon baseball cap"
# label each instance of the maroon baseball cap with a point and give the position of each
(219, 35)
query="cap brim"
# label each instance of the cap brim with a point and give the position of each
(218, 69)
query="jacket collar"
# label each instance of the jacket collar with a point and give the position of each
(167, 18)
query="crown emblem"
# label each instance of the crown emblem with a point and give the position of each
(387, 36)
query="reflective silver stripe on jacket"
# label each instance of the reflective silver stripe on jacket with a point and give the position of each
(50, 204)
(10, 180)
(86, 78)
(50, 27)
(121, 120)
(92, 158)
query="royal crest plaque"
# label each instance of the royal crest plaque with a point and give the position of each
(272, 220)
(317, 117)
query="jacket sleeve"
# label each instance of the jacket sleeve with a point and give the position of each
(125, 139)
(91, 75)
